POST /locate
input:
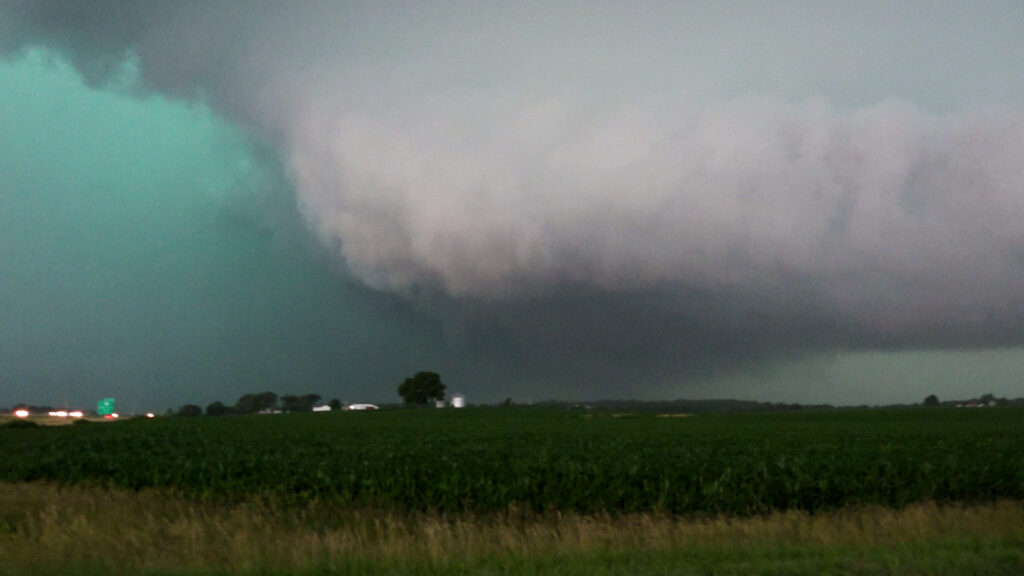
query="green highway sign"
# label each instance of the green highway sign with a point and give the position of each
(105, 406)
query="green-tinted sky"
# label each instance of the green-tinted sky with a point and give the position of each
(784, 202)
(148, 255)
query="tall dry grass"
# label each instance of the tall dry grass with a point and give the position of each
(48, 529)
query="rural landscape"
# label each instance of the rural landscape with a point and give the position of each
(716, 287)
(519, 490)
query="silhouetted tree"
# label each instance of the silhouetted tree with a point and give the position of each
(302, 403)
(931, 400)
(990, 400)
(335, 404)
(422, 388)
(190, 410)
(253, 403)
(217, 409)
(289, 402)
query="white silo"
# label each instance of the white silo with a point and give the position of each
(458, 401)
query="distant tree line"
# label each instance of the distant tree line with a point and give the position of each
(417, 390)
(424, 387)
(727, 405)
(262, 402)
(983, 400)
(678, 406)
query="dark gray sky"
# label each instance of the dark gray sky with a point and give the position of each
(785, 201)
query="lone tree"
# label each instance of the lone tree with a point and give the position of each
(422, 388)
(190, 410)
(931, 400)
(217, 409)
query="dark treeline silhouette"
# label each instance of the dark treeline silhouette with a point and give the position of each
(259, 403)
(269, 402)
(729, 405)
(682, 405)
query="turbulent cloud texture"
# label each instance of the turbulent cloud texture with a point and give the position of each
(647, 188)
(875, 206)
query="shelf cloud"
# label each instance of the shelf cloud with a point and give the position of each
(598, 192)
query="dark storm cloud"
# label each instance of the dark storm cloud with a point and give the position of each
(618, 195)
(151, 254)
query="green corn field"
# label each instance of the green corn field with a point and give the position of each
(480, 460)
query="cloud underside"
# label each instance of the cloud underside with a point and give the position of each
(584, 212)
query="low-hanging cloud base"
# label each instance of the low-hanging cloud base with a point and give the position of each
(615, 216)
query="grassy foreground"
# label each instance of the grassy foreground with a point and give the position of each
(45, 529)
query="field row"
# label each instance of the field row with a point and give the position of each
(493, 459)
